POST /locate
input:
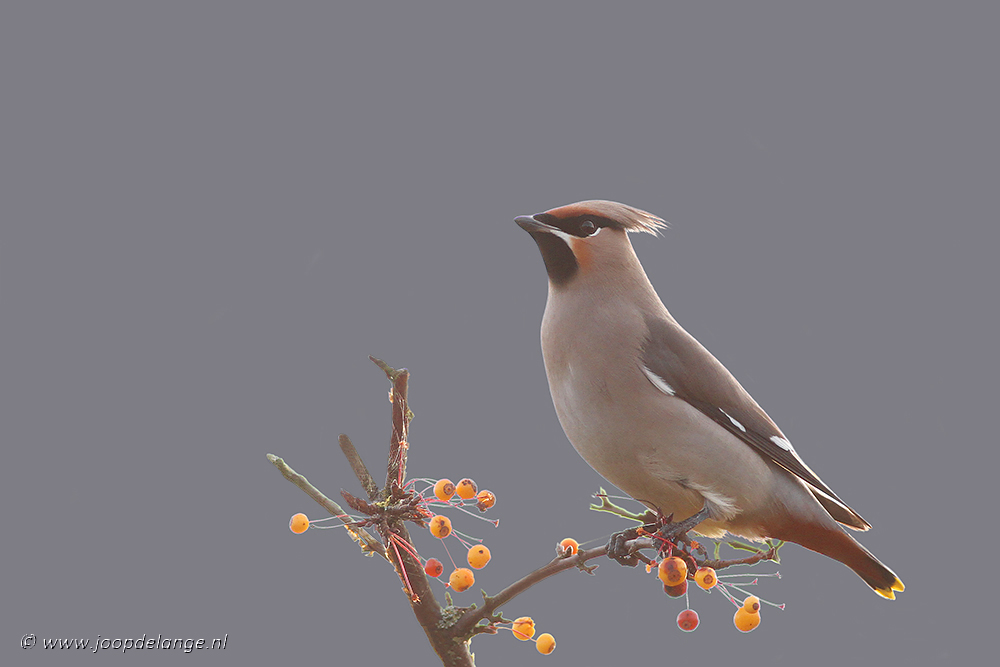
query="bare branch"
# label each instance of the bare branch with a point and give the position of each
(424, 605)
(468, 623)
(368, 543)
(359, 467)
(401, 415)
(608, 506)
(359, 505)
(390, 372)
(770, 554)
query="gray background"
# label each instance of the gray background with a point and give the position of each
(212, 213)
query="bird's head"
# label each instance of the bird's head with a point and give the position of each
(587, 237)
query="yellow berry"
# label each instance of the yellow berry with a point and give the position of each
(444, 490)
(705, 577)
(440, 526)
(545, 643)
(485, 500)
(673, 571)
(746, 621)
(461, 579)
(524, 628)
(752, 604)
(466, 489)
(478, 556)
(299, 523)
(568, 547)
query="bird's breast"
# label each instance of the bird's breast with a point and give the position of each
(655, 447)
(590, 351)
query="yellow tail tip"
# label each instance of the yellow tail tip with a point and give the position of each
(887, 593)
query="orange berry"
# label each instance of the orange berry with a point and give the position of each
(466, 489)
(705, 577)
(746, 621)
(461, 579)
(524, 628)
(545, 643)
(433, 567)
(485, 500)
(299, 523)
(676, 591)
(687, 620)
(568, 547)
(444, 490)
(673, 571)
(440, 526)
(478, 556)
(752, 604)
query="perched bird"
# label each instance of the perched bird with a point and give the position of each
(652, 411)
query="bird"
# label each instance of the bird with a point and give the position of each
(656, 414)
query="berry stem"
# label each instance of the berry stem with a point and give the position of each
(449, 554)
(402, 572)
(406, 545)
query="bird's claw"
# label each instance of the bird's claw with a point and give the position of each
(672, 532)
(618, 547)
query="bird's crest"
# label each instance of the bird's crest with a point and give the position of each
(613, 214)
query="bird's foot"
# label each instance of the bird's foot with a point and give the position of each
(619, 550)
(677, 532)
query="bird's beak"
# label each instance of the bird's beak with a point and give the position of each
(529, 224)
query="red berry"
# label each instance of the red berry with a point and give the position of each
(687, 620)
(676, 591)
(433, 567)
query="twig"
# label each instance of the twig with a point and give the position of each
(749, 560)
(608, 506)
(467, 624)
(401, 415)
(359, 467)
(368, 543)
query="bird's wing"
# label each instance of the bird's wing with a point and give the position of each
(680, 366)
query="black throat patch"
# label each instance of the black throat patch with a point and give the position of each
(560, 263)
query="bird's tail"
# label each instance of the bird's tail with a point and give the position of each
(837, 544)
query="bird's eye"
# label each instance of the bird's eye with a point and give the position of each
(587, 227)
